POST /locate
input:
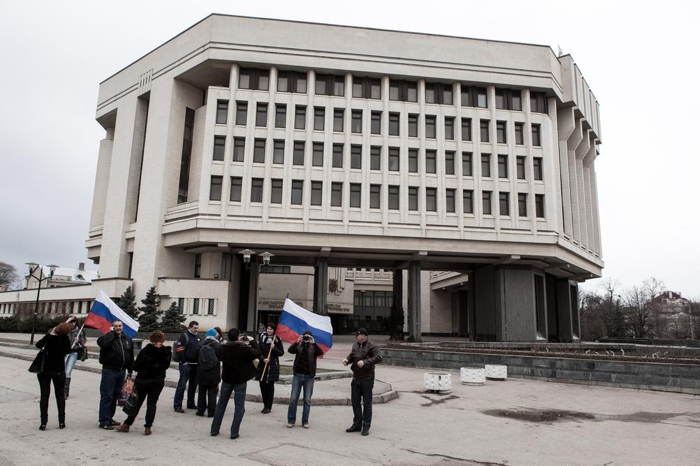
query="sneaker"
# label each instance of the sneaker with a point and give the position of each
(290, 425)
(353, 428)
(305, 426)
(106, 427)
(179, 410)
(213, 434)
(234, 436)
(266, 411)
(42, 427)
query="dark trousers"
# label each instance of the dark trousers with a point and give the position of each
(151, 390)
(361, 395)
(188, 372)
(267, 391)
(59, 384)
(206, 399)
(110, 389)
(238, 391)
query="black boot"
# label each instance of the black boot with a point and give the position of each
(365, 429)
(67, 387)
(353, 428)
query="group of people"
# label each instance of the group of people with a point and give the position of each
(211, 370)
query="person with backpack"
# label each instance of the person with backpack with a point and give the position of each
(269, 368)
(209, 372)
(54, 346)
(187, 355)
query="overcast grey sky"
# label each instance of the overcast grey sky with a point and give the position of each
(640, 58)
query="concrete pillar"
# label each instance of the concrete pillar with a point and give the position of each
(565, 307)
(321, 286)
(396, 328)
(252, 321)
(414, 301)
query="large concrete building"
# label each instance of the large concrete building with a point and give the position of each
(457, 172)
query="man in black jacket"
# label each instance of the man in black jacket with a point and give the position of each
(306, 351)
(363, 357)
(187, 354)
(116, 357)
(237, 357)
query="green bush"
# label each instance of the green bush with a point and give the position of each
(42, 325)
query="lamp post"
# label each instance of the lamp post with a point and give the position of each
(33, 267)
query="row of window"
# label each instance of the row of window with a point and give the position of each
(392, 163)
(364, 87)
(197, 306)
(375, 196)
(394, 129)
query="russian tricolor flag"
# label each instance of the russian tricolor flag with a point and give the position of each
(295, 320)
(104, 312)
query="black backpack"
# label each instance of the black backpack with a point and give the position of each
(207, 358)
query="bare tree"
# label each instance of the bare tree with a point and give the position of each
(8, 276)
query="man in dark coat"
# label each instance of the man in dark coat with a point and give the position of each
(269, 369)
(209, 372)
(116, 357)
(187, 354)
(362, 358)
(306, 351)
(237, 357)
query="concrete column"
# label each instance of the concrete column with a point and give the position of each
(565, 126)
(321, 286)
(397, 303)
(414, 301)
(564, 309)
(104, 160)
(252, 321)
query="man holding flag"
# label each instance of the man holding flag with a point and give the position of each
(116, 353)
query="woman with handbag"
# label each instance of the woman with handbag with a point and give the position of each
(49, 366)
(150, 366)
(78, 351)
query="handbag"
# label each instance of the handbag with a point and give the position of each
(131, 405)
(127, 390)
(37, 366)
(82, 353)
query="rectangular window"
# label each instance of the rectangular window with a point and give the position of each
(466, 129)
(486, 202)
(366, 88)
(394, 159)
(394, 123)
(328, 84)
(431, 199)
(298, 153)
(537, 168)
(538, 102)
(241, 113)
(484, 130)
(536, 140)
(375, 200)
(486, 165)
(355, 195)
(413, 198)
(375, 158)
(278, 152)
(430, 130)
(300, 117)
(291, 81)
(508, 99)
(319, 118)
(276, 187)
(430, 161)
(255, 79)
(356, 156)
(221, 112)
(520, 167)
(238, 149)
(356, 121)
(259, 151)
(449, 162)
(219, 146)
(280, 115)
(449, 128)
(467, 164)
(195, 306)
(210, 306)
(317, 155)
(413, 160)
(438, 93)
(316, 192)
(376, 122)
(468, 201)
(522, 204)
(297, 192)
(474, 97)
(336, 194)
(256, 190)
(393, 197)
(338, 120)
(501, 132)
(519, 134)
(504, 204)
(337, 156)
(261, 115)
(449, 200)
(412, 125)
(215, 188)
(502, 166)
(539, 205)
(236, 187)
(405, 91)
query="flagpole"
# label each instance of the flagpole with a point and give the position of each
(269, 353)
(78, 335)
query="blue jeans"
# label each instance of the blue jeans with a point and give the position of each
(70, 363)
(188, 372)
(110, 389)
(238, 401)
(300, 381)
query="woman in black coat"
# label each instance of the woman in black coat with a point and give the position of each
(55, 345)
(150, 366)
(272, 372)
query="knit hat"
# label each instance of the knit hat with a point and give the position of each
(361, 331)
(212, 332)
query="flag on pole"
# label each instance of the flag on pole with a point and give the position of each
(295, 320)
(104, 311)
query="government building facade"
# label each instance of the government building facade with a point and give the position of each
(351, 169)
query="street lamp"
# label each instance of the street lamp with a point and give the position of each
(33, 267)
(246, 253)
(266, 257)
